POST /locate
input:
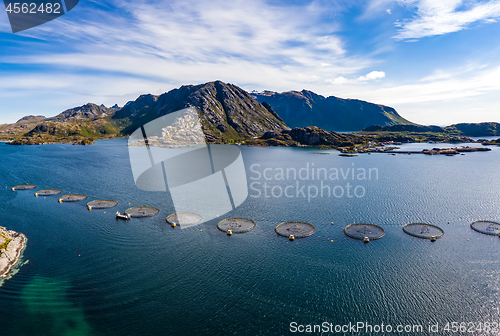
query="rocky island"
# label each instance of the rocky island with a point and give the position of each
(11, 246)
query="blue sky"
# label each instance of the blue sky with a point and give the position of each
(436, 62)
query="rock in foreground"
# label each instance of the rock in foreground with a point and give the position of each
(11, 246)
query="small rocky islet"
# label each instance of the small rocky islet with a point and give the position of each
(11, 246)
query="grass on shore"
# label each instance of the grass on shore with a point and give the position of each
(5, 243)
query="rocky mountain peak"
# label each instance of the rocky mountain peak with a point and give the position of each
(86, 111)
(225, 110)
(30, 118)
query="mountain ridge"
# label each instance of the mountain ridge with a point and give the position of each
(306, 108)
(225, 110)
(230, 114)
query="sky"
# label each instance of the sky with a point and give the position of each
(435, 61)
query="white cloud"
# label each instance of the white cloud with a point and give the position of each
(466, 93)
(437, 75)
(372, 75)
(153, 48)
(444, 16)
(250, 43)
(450, 87)
(339, 80)
(373, 9)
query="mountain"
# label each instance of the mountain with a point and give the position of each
(463, 129)
(230, 114)
(226, 111)
(72, 125)
(83, 112)
(23, 125)
(306, 108)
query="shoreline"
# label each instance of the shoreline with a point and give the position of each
(10, 256)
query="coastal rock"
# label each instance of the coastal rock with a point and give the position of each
(315, 136)
(25, 141)
(270, 135)
(84, 142)
(11, 246)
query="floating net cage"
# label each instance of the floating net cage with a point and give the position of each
(363, 230)
(138, 212)
(236, 225)
(101, 204)
(184, 218)
(296, 229)
(423, 230)
(24, 187)
(73, 198)
(48, 192)
(486, 227)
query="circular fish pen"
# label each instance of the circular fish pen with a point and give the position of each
(24, 187)
(48, 192)
(486, 227)
(363, 230)
(423, 230)
(101, 204)
(295, 229)
(72, 198)
(184, 218)
(236, 225)
(138, 212)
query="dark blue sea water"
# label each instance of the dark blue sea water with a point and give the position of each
(90, 274)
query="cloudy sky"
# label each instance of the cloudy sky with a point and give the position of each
(435, 61)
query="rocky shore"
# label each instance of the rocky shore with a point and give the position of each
(433, 151)
(11, 246)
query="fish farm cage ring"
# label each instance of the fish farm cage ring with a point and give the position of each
(423, 230)
(486, 227)
(48, 192)
(24, 187)
(295, 229)
(236, 225)
(72, 198)
(184, 218)
(138, 212)
(363, 230)
(101, 204)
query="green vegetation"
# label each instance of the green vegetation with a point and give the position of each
(5, 243)
(83, 132)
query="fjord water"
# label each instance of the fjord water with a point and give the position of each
(90, 274)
